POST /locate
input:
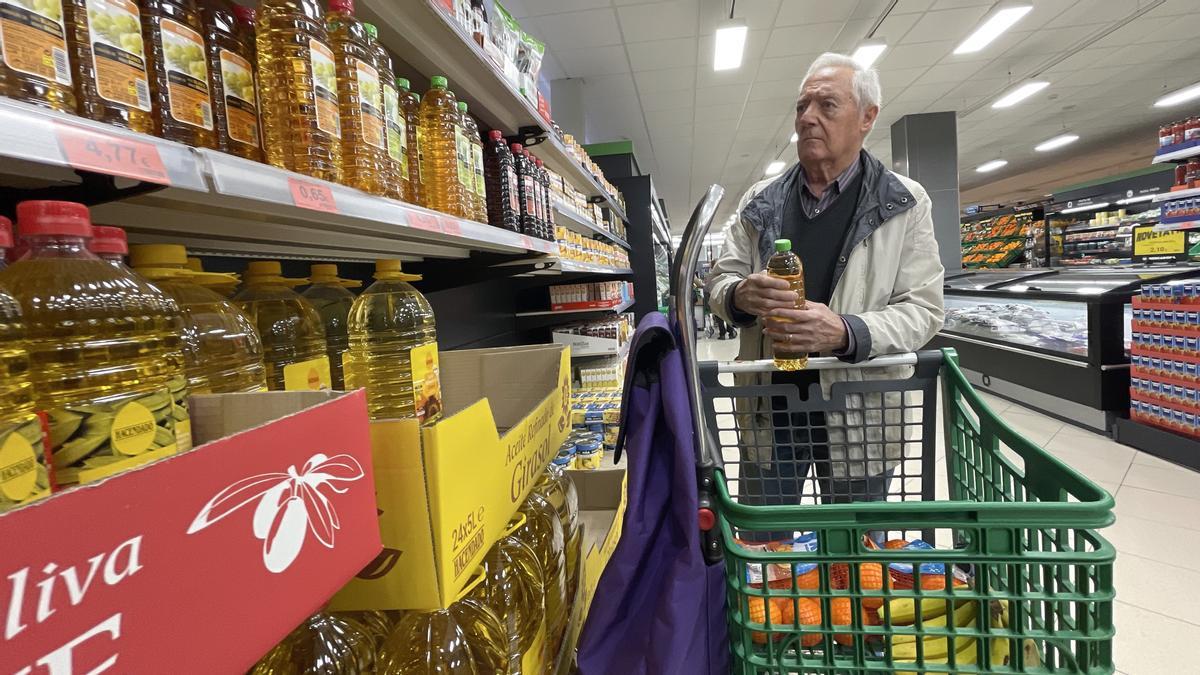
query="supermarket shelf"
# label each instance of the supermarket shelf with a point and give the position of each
(591, 268)
(1093, 228)
(566, 312)
(432, 42)
(1176, 155)
(577, 222)
(1161, 443)
(620, 352)
(552, 265)
(1177, 225)
(1177, 194)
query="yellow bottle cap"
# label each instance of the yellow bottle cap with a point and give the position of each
(324, 273)
(390, 269)
(260, 272)
(158, 255)
(195, 265)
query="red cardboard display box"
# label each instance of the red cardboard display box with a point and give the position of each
(201, 562)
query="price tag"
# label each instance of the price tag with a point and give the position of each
(423, 221)
(527, 242)
(450, 226)
(116, 155)
(313, 196)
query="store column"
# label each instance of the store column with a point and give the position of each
(566, 102)
(925, 148)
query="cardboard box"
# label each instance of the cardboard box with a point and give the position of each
(447, 490)
(185, 565)
(602, 500)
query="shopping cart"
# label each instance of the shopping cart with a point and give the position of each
(1001, 568)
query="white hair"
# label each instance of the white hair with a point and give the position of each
(867, 91)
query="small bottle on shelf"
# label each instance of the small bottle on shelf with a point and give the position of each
(504, 208)
(410, 113)
(364, 148)
(396, 176)
(178, 68)
(437, 138)
(231, 73)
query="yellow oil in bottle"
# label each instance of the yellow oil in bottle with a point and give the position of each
(224, 284)
(360, 100)
(230, 53)
(104, 349)
(324, 644)
(25, 477)
(438, 135)
(377, 624)
(543, 532)
(292, 334)
(473, 149)
(112, 81)
(221, 348)
(410, 112)
(396, 174)
(178, 67)
(297, 86)
(786, 265)
(331, 296)
(465, 639)
(35, 64)
(514, 588)
(393, 347)
(557, 488)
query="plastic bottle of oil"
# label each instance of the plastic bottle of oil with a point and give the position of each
(514, 587)
(465, 639)
(410, 112)
(377, 624)
(297, 85)
(439, 137)
(178, 69)
(35, 64)
(466, 159)
(109, 243)
(221, 347)
(558, 489)
(786, 265)
(223, 284)
(104, 347)
(324, 644)
(395, 160)
(22, 452)
(291, 330)
(112, 83)
(330, 295)
(393, 347)
(230, 55)
(544, 533)
(360, 100)
(473, 149)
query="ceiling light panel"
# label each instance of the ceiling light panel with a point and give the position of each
(994, 26)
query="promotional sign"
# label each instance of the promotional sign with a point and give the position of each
(1153, 245)
(201, 562)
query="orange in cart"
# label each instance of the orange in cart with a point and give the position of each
(842, 612)
(781, 615)
(895, 544)
(871, 578)
(810, 615)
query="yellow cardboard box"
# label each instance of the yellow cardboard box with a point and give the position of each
(602, 499)
(447, 490)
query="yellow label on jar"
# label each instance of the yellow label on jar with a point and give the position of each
(117, 52)
(325, 88)
(477, 163)
(187, 74)
(19, 465)
(33, 39)
(427, 386)
(133, 429)
(462, 151)
(308, 375)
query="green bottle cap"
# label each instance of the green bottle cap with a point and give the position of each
(462, 106)
(438, 82)
(782, 245)
(403, 84)
(372, 31)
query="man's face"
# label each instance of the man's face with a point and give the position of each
(829, 122)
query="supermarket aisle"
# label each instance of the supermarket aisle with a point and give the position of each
(1157, 533)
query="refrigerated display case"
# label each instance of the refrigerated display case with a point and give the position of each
(1055, 340)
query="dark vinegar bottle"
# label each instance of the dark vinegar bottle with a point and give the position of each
(543, 177)
(526, 194)
(503, 206)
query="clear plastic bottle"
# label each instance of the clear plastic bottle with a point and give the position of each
(395, 160)
(222, 350)
(112, 81)
(323, 645)
(109, 243)
(6, 242)
(291, 330)
(393, 347)
(36, 64)
(526, 192)
(559, 490)
(410, 112)
(377, 624)
(787, 266)
(297, 88)
(438, 137)
(104, 349)
(465, 639)
(178, 68)
(22, 453)
(330, 295)
(543, 532)
(223, 284)
(230, 53)
(360, 100)
(503, 205)
(476, 192)
(514, 588)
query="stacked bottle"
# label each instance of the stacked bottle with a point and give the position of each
(394, 172)
(40, 72)
(467, 637)
(109, 243)
(292, 334)
(223, 284)
(360, 99)
(466, 172)
(410, 114)
(325, 644)
(476, 191)
(503, 193)
(179, 83)
(514, 588)
(329, 294)
(112, 82)
(438, 140)
(526, 194)
(230, 49)
(547, 202)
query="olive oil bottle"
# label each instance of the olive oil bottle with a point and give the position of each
(178, 67)
(396, 176)
(292, 333)
(22, 450)
(330, 295)
(230, 53)
(112, 80)
(410, 112)
(439, 135)
(360, 100)
(35, 63)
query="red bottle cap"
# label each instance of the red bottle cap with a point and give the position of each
(108, 239)
(244, 14)
(6, 239)
(516, 148)
(538, 162)
(39, 217)
(527, 155)
(495, 134)
(346, 6)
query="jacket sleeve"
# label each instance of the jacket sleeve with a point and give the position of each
(915, 311)
(736, 262)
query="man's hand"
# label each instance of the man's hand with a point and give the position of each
(812, 329)
(760, 293)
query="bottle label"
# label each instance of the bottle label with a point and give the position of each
(370, 99)
(187, 74)
(325, 88)
(426, 382)
(309, 375)
(422, 167)
(514, 193)
(530, 199)
(117, 52)
(397, 130)
(463, 151)
(23, 473)
(33, 38)
(241, 103)
(480, 188)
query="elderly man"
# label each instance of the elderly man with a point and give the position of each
(873, 285)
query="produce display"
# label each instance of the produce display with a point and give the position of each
(999, 241)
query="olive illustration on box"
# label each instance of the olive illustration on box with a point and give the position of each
(51, 9)
(188, 58)
(119, 29)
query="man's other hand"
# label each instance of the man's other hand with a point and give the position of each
(816, 328)
(760, 293)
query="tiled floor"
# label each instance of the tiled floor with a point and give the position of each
(1157, 534)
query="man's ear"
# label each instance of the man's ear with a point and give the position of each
(868, 120)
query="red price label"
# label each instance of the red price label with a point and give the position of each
(96, 151)
(451, 226)
(424, 221)
(313, 196)
(527, 242)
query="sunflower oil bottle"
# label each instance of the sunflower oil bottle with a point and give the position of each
(112, 80)
(109, 243)
(292, 334)
(559, 490)
(543, 532)
(22, 450)
(230, 54)
(466, 170)
(324, 644)
(410, 112)
(473, 159)
(35, 64)
(377, 624)
(439, 135)
(178, 69)
(465, 639)
(297, 88)
(224, 284)
(393, 348)
(329, 295)
(514, 588)
(786, 265)
(395, 160)
(104, 349)
(476, 140)
(221, 348)
(360, 100)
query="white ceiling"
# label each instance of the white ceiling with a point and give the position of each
(647, 72)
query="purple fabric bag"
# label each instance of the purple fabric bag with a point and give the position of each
(659, 609)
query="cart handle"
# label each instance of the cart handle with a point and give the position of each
(819, 363)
